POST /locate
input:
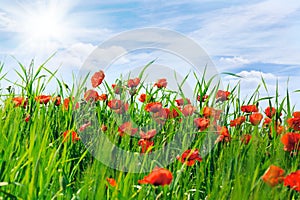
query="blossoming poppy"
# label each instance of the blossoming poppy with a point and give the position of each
(202, 98)
(291, 141)
(294, 123)
(188, 110)
(161, 116)
(223, 134)
(127, 128)
(91, 95)
(20, 101)
(114, 104)
(102, 97)
(146, 145)
(67, 103)
(159, 176)
(56, 100)
(27, 118)
(256, 118)
(112, 182)
(296, 114)
(273, 176)
(161, 83)
(148, 135)
(173, 112)
(97, 78)
(74, 135)
(133, 82)
(222, 95)
(189, 157)
(267, 121)
(142, 98)
(238, 121)
(293, 180)
(246, 139)
(211, 112)
(181, 102)
(117, 88)
(43, 99)
(249, 108)
(123, 108)
(201, 123)
(84, 126)
(153, 107)
(270, 112)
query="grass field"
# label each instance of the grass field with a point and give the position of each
(46, 141)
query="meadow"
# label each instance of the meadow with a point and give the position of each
(218, 146)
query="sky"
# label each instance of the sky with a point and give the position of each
(252, 39)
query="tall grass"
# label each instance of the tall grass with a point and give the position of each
(36, 162)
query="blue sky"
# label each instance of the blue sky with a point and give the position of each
(253, 38)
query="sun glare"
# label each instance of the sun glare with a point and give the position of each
(44, 25)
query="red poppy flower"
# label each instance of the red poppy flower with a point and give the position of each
(67, 103)
(189, 157)
(74, 135)
(114, 104)
(223, 134)
(146, 145)
(161, 116)
(173, 113)
(246, 138)
(181, 102)
(159, 176)
(293, 180)
(148, 135)
(267, 121)
(56, 100)
(222, 95)
(255, 118)
(296, 114)
(126, 128)
(291, 141)
(117, 88)
(188, 110)
(43, 99)
(202, 98)
(238, 121)
(273, 176)
(112, 182)
(161, 83)
(27, 118)
(211, 112)
(123, 108)
(97, 78)
(270, 112)
(91, 95)
(249, 108)
(294, 123)
(153, 107)
(84, 126)
(142, 98)
(103, 128)
(102, 97)
(201, 123)
(20, 101)
(133, 82)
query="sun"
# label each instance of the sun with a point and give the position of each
(43, 25)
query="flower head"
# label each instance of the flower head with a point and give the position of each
(291, 141)
(256, 118)
(131, 83)
(189, 157)
(97, 78)
(238, 121)
(161, 83)
(91, 95)
(43, 99)
(201, 123)
(146, 145)
(159, 176)
(273, 176)
(222, 95)
(249, 108)
(127, 128)
(293, 180)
